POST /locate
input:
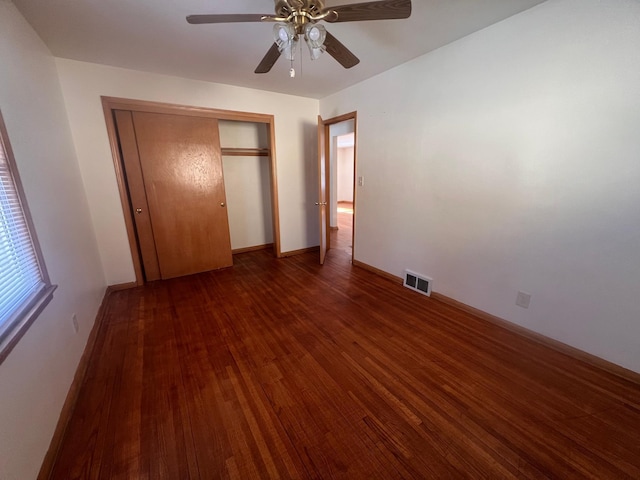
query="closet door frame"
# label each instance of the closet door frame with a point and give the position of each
(109, 104)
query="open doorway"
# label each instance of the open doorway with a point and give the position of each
(340, 170)
(342, 173)
(328, 133)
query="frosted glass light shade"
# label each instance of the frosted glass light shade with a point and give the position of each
(315, 36)
(285, 37)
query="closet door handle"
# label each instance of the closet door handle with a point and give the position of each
(222, 204)
(138, 211)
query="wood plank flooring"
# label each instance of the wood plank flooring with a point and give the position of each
(285, 369)
(342, 238)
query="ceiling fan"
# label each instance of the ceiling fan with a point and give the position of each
(295, 19)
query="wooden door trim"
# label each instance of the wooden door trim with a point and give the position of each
(275, 211)
(109, 104)
(118, 164)
(174, 109)
(327, 124)
(323, 190)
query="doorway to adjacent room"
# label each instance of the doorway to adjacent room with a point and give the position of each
(343, 177)
(337, 157)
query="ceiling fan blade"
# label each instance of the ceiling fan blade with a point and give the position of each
(341, 53)
(382, 10)
(269, 59)
(225, 18)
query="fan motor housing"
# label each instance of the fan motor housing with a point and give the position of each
(285, 8)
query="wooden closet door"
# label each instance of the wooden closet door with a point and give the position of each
(181, 166)
(137, 195)
(322, 188)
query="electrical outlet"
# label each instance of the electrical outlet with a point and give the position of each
(361, 181)
(523, 299)
(74, 320)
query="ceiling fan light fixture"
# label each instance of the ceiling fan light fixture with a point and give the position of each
(283, 32)
(315, 36)
(295, 19)
(285, 37)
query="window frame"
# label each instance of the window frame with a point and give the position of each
(24, 316)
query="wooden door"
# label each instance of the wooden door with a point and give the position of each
(322, 188)
(183, 227)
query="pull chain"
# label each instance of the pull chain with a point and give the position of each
(300, 58)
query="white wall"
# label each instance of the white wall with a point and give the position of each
(247, 182)
(35, 377)
(345, 174)
(295, 124)
(509, 160)
(234, 134)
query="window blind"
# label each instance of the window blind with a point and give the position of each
(20, 274)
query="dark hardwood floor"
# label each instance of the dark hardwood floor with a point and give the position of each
(285, 369)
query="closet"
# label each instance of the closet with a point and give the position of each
(246, 166)
(197, 185)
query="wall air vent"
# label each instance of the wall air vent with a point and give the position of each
(417, 282)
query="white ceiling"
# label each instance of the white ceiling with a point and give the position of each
(153, 36)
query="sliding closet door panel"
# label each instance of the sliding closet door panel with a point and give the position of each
(182, 168)
(135, 184)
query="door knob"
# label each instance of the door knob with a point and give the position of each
(222, 204)
(138, 211)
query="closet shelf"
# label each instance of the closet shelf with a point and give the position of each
(245, 152)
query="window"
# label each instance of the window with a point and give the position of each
(24, 284)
